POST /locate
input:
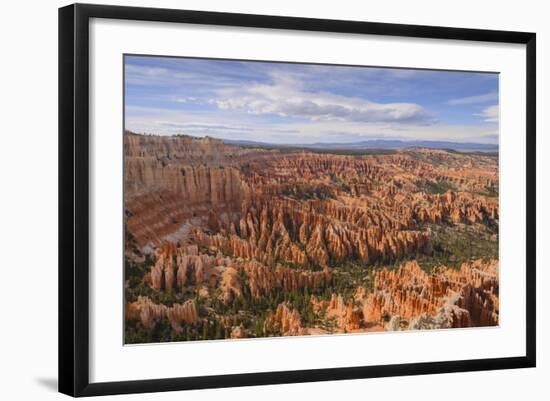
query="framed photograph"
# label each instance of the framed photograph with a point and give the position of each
(250, 199)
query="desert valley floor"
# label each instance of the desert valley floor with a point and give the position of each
(240, 241)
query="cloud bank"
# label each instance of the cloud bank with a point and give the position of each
(305, 103)
(490, 114)
(286, 98)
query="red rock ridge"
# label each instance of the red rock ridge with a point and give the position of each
(347, 316)
(451, 298)
(149, 313)
(285, 322)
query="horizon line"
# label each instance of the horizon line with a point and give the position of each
(372, 139)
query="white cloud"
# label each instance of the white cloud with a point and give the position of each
(487, 97)
(490, 114)
(188, 99)
(202, 126)
(286, 97)
(231, 126)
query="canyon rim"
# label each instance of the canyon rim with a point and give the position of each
(270, 199)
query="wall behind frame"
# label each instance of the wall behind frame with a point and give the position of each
(28, 207)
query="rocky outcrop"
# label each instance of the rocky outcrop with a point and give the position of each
(170, 180)
(149, 314)
(176, 148)
(479, 293)
(454, 208)
(401, 292)
(179, 314)
(170, 196)
(230, 285)
(145, 311)
(264, 281)
(347, 316)
(446, 298)
(236, 226)
(300, 208)
(287, 231)
(284, 322)
(176, 267)
(464, 171)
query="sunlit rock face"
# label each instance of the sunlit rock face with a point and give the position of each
(226, 241)
(347, 316)
(177, 267)
(264, 281)
(285, 322)
(169, 181)
(149, 313)
(447, 298)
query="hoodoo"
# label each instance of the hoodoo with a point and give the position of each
(228, 241)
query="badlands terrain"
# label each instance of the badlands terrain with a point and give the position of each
(226, 241)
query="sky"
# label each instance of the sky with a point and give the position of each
(286, 103)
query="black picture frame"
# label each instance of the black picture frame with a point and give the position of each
(74, 198)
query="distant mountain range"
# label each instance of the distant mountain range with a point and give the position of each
(378, 144)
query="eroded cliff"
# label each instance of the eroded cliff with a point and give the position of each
(226, 241)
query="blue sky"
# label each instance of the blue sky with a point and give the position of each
(305, 103)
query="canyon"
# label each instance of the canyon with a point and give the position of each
(228, 242)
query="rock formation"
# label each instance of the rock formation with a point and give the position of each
(255, 233)
(230, 286)
(149, 313)
(178, 267)
(264, 281)
(285, 322)
(446, 298)
(348, 317)
(181, 266)
(287, 232)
